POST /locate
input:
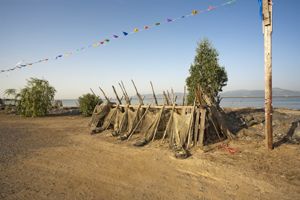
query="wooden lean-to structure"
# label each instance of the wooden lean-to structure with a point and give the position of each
(182, 126)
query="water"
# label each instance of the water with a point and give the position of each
(278, 102)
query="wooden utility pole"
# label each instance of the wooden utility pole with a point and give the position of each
(267, 31)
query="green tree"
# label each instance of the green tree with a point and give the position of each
(87, 103)
(36, 98)
(206, 72)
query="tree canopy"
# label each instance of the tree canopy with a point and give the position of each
(206, 72)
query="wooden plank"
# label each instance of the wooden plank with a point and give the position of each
(202, 128)
(159, 107)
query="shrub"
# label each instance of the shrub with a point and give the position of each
(36, 98)
(87, 103)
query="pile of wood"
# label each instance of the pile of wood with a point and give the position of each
(182, 126)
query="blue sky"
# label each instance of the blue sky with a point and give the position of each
(35, 29)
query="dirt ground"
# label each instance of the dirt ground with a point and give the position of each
(56, 158)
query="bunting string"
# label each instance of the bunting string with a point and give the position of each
(123, 34)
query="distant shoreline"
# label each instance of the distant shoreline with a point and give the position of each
(261, 97)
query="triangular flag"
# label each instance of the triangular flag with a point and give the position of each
(146, 27)
(125, 33)
(59, 56)
(157, 24)
(102, 42)
(210, 8)
(169, 20)
(107, 40)
(115, 36)
(136, 30)
(194, 12)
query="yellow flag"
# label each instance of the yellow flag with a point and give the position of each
(194, 12)
(136, 30)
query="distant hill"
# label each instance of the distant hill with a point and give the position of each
(259, 93)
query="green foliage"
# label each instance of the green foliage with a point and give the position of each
(206, 72)
(36, 98)
(87, 103)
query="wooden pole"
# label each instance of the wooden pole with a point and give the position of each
(267, 31)
(154, 96)
(117, 96)
(104, 94)
(137, 93)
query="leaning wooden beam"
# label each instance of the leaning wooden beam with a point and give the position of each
(173, 95)
(136, 126)
(137, 93)
(154, 96)
(104, 94)
(93, 91)
(169, 97)
(169, 123)
(190, 129)
(117, 96)
(125, 95)
(166, 98)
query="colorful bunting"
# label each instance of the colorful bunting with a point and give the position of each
(211, 8)
(194, 12)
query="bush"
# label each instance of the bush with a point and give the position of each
(36, 98)
(87, 103)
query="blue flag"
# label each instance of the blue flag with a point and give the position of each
(260, 9)
(125, 33)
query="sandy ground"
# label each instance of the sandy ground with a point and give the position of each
(56, 158)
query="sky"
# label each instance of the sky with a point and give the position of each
(36, 29)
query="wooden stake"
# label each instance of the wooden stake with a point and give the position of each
(104, 94)
(196, 129)
(166, 98)
(154, 96)
(267, 30)
(119, 100)
(137, 93)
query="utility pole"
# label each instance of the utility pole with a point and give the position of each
(267, 31)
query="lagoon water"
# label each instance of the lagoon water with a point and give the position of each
(278, 102)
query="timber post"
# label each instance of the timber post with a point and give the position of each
(267, 31)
